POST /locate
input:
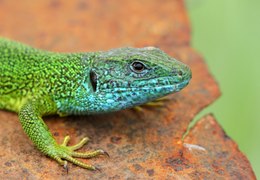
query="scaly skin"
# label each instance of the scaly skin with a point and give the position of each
(35, 83)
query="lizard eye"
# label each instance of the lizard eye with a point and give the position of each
(137, 67)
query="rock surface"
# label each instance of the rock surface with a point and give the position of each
(144, 145)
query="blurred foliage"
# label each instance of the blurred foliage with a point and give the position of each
(227, 34)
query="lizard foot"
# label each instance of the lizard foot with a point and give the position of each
(156, 103)
(63, 153)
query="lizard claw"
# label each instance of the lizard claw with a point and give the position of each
(105, 153)
(66, 167)
(97, 169)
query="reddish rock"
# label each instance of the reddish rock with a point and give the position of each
(144, 145)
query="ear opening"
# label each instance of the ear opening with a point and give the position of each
(93, 80)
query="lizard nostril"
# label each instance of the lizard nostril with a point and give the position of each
(177, 72)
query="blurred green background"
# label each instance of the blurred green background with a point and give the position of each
(227, 34)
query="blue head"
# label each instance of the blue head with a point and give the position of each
(126, 77)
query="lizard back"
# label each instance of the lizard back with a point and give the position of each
(26, 72)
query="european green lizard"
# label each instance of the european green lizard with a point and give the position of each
(35, 83)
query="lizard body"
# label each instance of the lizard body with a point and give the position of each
(35, 83)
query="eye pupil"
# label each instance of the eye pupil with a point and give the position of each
(138, 66)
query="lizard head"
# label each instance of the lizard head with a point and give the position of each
(126, 77)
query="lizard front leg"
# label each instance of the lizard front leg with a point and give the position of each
(30, 116)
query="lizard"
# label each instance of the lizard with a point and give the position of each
(36, 83)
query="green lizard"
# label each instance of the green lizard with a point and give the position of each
(35, 83)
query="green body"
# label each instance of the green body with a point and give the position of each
(35, 83)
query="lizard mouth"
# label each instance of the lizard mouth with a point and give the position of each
(170, 86)
(173, 87)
